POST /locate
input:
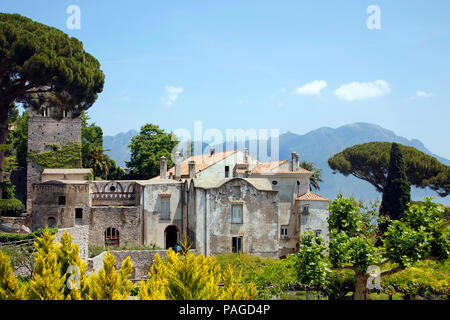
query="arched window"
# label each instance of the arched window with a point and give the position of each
(112, 237)
(51, 222)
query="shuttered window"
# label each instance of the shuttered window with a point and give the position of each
(236, 213)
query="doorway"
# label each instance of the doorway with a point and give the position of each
(171, 234)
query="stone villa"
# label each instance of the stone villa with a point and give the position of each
(225, 202)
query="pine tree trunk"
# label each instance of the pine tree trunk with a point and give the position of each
(361, 292)
(3, 137)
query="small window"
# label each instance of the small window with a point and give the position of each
(274, 182)
(227, 171)
(298, 183)
(236, 191)
(51, 222)
(78, 216)
(165, 208)
(305, 209)
(112, 237)
(236, 245)
(61, 200)
(236, 213)
(284, 232)
(112, 189)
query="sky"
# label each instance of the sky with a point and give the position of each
(288, 65)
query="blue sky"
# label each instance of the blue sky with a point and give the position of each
(288, 65)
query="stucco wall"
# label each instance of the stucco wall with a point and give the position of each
(155, 224)
(259, 229)
(316, 219)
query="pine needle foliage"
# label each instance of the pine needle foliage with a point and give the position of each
(47, 282)
(9, 286)
(109, 284)
(187, 276)
(73, 267)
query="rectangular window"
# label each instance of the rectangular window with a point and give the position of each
(305, 209)
(227, 172)
(61, 200)
(78, 216)
(284, 232)
(165, 208)
(236, 245)
(236, 213)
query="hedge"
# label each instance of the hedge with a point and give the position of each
(12, 237)
(11, 207)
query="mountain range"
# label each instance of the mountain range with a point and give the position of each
(318, 146)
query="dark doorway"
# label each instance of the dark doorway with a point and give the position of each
(171, 236)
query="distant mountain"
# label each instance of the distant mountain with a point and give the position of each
(318, 146)
(118, 146)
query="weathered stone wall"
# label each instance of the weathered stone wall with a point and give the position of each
(142, 261)
(80, 235)
(45, 204)
(127, 220)
(259, 229)
(44, 131)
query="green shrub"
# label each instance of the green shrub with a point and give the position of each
(270, 276)
(11, 207)
(12, 237)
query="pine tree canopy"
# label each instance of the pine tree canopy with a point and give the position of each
(370, 162)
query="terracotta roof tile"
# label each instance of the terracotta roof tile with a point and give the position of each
(271, 167)
(202, 162)
(311, 196)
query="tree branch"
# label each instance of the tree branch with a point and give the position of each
(344, 268)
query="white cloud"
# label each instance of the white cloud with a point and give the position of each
(312, 88)
(172, 94)
(423, 94)
(363, 90)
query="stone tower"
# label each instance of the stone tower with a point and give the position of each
(44, 131)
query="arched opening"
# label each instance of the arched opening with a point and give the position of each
(171, 234)
(112, 237)
(51, 222)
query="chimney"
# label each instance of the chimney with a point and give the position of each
(212, 151)
(246, 156)
(163, 168)
(177, 166)
(191, 169)
(295, 161)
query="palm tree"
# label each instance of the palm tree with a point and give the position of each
(316, 177)
(98, 161)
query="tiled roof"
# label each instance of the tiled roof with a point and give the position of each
(271, 167)
(268, 167)
(311, 196)
(202, 162)
(67, 171)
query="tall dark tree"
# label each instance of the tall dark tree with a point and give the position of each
(43, 66)
(370, 162)
(397, 192)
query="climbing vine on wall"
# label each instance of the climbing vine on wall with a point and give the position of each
(65, 157)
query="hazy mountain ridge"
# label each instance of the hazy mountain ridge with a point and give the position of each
(318, 146)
